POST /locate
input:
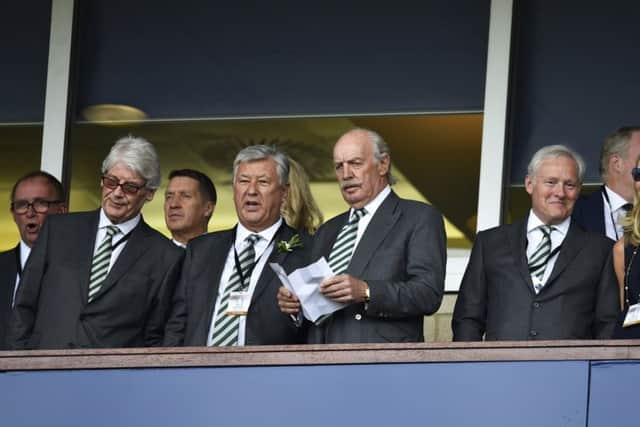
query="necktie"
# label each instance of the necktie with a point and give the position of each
(100, 262)
(540, 256)
(342, 249)
(225, 327)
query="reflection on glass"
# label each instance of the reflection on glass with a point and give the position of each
(21, 146)
(436, 158)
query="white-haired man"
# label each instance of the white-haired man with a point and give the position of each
(102, 278)
(542, 277)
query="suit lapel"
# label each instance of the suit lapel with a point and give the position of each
(213, 277)
(267, 274)
(571, 246)
(597, 212)
(381, 224)
(518, 243)
(86, 247)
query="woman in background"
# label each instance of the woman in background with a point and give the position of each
(626, 262)
(300, 210)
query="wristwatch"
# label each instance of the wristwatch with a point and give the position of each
(367, 294)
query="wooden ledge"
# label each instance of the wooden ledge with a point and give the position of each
(319, 355)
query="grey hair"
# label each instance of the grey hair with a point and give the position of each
(137, 154)
(262, 152)
(554, 151)
(615, 143)
(380, 150)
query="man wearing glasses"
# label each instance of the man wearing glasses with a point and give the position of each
(102, 278)
(33, 197)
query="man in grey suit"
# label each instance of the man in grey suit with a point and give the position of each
(33, 197)
(390, 270)
(227, 291)
(102, 278)
(542, 277)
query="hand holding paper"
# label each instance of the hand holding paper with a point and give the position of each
(305, 284)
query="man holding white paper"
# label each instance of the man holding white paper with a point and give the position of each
(388, 254)
(227, 293)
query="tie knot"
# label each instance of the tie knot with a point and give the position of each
(357, 214)
(627, 207)
(251, 239)
(546, 230)
(112, 230)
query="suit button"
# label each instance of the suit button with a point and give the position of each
(358, 316)
(533, 332)
(536, 304)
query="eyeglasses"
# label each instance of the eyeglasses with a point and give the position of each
(38, 205)
(127, 187)
(635, 173)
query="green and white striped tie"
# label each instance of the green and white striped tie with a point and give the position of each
(225, 327)
(540, 257)
(101, 260)
(342, 249)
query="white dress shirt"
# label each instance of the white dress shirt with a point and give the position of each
(534, 237)
(24, 256)
(613, 210)
(371, 209)
(125, 228)
(263, 248)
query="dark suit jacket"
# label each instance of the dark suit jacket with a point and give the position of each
(588, 212)
(402, 257)
(197, 292)
(496, 298)
(8, 273)
(132, 306)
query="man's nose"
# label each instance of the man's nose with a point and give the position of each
(346, 171)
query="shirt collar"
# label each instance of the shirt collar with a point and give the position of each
(267, 234)
(616, 201)
(24, 253)
(373, 205)
(180, 244)
(534, 222)
(124, 227)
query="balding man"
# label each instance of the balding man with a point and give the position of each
(388, 254)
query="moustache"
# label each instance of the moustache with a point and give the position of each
(349, 183)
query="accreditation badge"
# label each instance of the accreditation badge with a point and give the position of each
(633, 316)
(238, 303)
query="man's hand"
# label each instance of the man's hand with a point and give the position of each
(288, 302)
(344, 288)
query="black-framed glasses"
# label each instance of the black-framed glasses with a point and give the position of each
(38, 205)
(635, 173)
(127, 187)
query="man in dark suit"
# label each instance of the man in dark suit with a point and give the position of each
(189, 202)
(227, 291)
(33, 197)
(543, 277)
(602, 210)
(390, 270)
(102, 278)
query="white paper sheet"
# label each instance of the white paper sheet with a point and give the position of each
(305, 284)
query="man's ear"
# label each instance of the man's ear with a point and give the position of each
(210, 207)
(149, 196)
(383, 165)
(528, 184)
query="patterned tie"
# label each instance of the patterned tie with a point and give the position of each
(225, 327)
(342, 249)
(540, 257)
(100, 262)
